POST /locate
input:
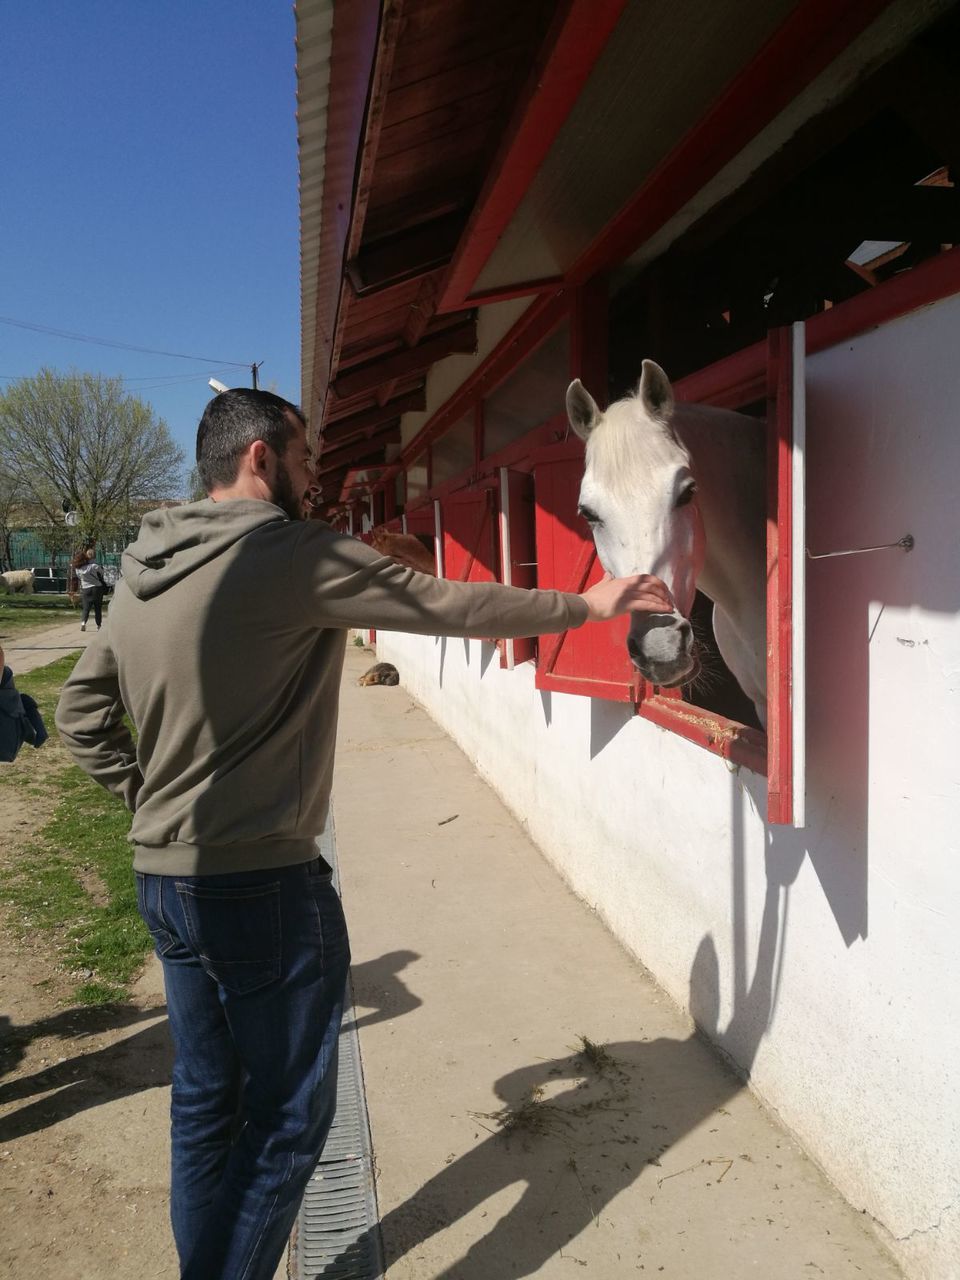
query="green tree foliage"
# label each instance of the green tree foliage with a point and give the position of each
(79, 438)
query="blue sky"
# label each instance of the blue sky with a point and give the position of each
(148, 193)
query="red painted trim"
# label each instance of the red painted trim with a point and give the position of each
(521, 454)
(729, 383)
(533, 328)
(563, 450)
(573, 44)
(586, 688)
(549, 284)
(814, 34)
(779, 579)
(726, 738)
(930, 282)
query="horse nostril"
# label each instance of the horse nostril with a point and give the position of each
(686, 632)
(634, 650)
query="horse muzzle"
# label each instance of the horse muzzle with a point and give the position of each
(664, 651)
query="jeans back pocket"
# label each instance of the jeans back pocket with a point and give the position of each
(151, 913)
(235, 932)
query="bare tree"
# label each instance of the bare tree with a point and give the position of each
(196, 489)
(11, 498)
(79, 438)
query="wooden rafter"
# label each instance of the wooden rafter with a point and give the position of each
(407, 256)
(359, 450)
(573, 43)
(460, 338)
(365, 423)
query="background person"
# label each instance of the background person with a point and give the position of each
(92, 585)
(226, 646)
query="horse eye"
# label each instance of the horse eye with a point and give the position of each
(686, 495)
(591, 517)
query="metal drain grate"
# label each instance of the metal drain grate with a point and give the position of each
(338, 1231)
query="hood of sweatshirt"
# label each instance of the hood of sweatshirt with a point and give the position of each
(175, 541)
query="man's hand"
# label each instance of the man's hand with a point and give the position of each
(641, 593)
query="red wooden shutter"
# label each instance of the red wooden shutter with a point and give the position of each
(420, 520)
(590, 660)
(470, 536)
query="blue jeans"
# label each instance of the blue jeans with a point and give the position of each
(255, 966)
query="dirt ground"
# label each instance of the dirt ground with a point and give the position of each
(83, 1110)
(83, 1128)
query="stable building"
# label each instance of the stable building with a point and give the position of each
(497, 199)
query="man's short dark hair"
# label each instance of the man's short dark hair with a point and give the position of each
(232, 421)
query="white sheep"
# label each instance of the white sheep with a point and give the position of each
(18, 580)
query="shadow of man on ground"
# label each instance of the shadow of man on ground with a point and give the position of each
(68, 1024)
(140, 1061)
(376, 986)
(575, 1131)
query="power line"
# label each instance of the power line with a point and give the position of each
(156, 380)
(120, 346)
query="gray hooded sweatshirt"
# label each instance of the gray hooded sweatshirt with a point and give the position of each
(225, 646)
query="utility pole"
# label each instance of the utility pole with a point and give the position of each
(253, 374)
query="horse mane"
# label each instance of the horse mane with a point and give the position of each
(628, 441)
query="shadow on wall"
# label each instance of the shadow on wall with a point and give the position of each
(880, 464)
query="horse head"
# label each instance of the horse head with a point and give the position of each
(639, 496)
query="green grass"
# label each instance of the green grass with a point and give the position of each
(18, 619)
(39, 600)
(74, 882)
(44, 684)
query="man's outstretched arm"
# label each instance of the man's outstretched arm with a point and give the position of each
(90, 720)
(341, 582)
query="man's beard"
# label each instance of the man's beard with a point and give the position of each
(283, 495)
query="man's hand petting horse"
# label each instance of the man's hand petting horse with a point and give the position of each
(640, 593)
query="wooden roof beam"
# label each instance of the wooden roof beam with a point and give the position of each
(407, 256)
(359, 451)
(461, 338)
(576, 38)
(365, 423)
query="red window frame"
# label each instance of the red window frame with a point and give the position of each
(518, 551)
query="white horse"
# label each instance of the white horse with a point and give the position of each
(679, 491)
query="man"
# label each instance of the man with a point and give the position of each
(226, 644)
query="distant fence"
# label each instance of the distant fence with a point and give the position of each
(27, 551)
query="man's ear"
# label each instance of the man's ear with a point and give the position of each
(258, 458)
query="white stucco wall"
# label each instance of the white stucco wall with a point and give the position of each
(837, 949)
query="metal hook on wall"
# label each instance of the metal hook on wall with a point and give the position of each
(906, 543)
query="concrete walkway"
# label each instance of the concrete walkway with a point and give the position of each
(486, 991)
(38, 648)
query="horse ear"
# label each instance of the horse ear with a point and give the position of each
(582, 410)
(655, 392)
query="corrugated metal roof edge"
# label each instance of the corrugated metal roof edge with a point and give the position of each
(315, 39)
